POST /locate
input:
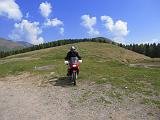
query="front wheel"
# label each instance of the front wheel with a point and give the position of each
(74, 77)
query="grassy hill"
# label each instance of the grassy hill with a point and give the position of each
(6, 45)
(103, 63)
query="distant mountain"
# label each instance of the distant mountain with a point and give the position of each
(7, 45)
(25, 44)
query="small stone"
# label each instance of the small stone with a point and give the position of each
(52, 73)
(51, 80)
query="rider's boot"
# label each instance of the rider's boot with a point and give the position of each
(68, 72)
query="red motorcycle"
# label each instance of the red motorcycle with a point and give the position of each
(73, 68)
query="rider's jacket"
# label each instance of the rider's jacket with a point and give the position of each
(72, 54)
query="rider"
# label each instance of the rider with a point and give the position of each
(72, 53)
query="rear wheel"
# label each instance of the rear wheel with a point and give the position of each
(74, 77)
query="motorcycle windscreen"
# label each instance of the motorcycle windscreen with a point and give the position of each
(74, 60)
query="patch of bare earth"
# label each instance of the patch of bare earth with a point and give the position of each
(24, 98)
(17, 59)
(147, 65)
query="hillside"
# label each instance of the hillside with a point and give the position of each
(92, 49)
(6, 45)
(54, 44)
(108, 86)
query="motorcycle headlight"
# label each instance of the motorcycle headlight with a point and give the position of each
(74, 65)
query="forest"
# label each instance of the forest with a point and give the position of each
(151, 50)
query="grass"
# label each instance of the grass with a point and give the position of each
(151, 101)
(102, 63)
(115, 95)
(104, 101)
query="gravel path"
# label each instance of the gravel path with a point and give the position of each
(22, 99)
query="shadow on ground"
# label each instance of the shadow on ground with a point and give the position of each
(62, 81)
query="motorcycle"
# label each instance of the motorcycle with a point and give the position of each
(73, 68)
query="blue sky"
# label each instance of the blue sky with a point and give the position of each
(127, 21)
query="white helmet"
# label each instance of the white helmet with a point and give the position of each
(72, 48)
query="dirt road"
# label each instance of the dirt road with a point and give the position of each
(22, 99)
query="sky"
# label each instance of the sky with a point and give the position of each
(39, 21)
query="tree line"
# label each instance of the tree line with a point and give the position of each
(50, 44)
(151, 50)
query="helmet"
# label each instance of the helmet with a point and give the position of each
(73, 48)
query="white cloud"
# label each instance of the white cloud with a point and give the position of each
(45, 9)
(61, 31)
(27, 31)
(118, 29)
(10, 9)
(154, 40)
(89, 22)
(53, 22)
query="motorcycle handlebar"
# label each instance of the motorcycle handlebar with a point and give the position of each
(80, 61)
(66, 62)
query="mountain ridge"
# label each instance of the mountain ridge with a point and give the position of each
(7, 45)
